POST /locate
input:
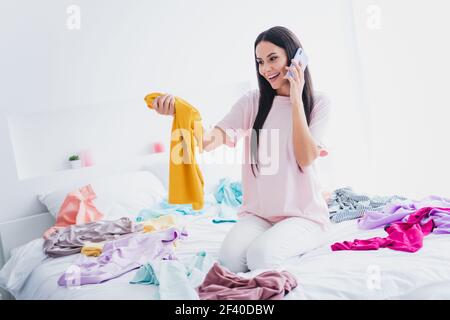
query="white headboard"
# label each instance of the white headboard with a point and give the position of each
(20, 231)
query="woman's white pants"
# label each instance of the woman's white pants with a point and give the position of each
(254, 243)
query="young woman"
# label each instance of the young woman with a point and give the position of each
(283, 213)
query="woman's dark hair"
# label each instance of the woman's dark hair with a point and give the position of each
(283, 38)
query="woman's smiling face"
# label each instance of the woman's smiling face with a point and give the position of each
(272, 61)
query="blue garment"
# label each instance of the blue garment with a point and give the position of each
(198, 262)
(226, 214)
(229, 197)
(176, 281)
(145, 275)
(164, 208)
(229, 193)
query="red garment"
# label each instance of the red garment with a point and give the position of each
(222, 284)
(402, 236)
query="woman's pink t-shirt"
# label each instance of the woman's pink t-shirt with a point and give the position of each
(280, 189)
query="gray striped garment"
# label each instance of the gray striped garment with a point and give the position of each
(345, 204)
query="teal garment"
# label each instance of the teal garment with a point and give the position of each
(226, 214)
(147, 214)
(197, 262)
(175, 280)
(145, 275)
(164, 208)
(174, 283)
(198, 268)
(229, 193)
(229, 197)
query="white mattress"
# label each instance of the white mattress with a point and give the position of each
(321, 274)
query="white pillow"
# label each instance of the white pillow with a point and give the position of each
(122, 195)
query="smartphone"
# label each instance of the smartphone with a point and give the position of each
(300, 57)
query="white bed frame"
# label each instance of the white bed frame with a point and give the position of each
(19, 232)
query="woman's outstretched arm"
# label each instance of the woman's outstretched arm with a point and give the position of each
(212, 139)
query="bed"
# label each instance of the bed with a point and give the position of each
(321, 273)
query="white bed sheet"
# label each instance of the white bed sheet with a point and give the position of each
(321, 273)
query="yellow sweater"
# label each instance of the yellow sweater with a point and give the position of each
(185, 178)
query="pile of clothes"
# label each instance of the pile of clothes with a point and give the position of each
(406, 222)
(345, 204)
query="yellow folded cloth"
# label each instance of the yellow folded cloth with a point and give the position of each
(185, 178)
(92, 249)
(158, 224)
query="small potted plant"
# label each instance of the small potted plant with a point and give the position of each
(75, 161)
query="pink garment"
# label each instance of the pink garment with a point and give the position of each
(222, 284)
(402, 236)
(77, 208)
(298, 194)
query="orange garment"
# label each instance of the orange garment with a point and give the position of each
(185, 178)
(77, 208)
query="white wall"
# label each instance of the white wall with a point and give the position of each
(405, 65)
(64, 90)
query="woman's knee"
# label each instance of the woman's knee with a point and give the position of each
(276, 245)
(232, 256)
(233, 251)
(262, 255)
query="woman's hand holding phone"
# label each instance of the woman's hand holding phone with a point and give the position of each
(296, 76)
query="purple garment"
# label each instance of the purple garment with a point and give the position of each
(402, 236)
(70, 240)
(400, 211)
(121, 256)
(222, 284)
